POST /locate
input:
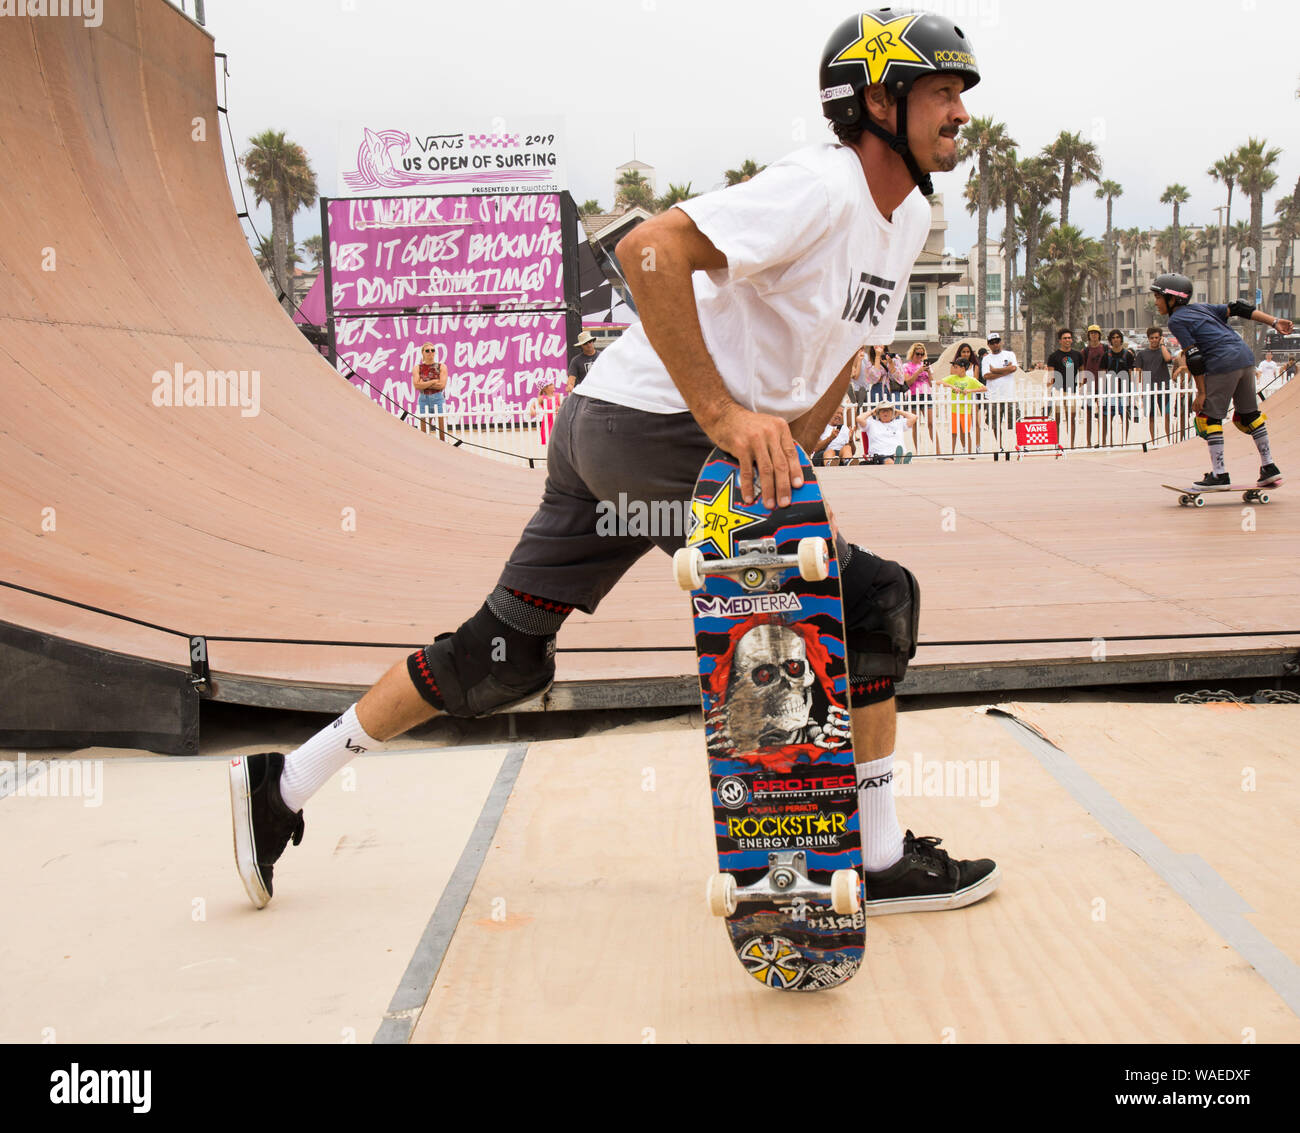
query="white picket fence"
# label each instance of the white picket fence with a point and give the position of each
(1133, 417)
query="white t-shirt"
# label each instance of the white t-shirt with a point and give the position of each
(884, 438)
(813, 272)
(1266, 371)
(841, 438)
(1000, 389)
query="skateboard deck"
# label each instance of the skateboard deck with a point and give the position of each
(1192, 496)
(769, 635)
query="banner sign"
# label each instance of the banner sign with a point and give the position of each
(492, 360)
(402, 255)
(515, 155)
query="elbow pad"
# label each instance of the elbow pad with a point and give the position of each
(1238, 309)
(1195, 360)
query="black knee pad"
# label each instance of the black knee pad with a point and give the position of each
(484, 667)
(882, 610)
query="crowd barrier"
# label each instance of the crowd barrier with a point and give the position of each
(948, 424)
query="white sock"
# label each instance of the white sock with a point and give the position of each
(882, 841)
(308, 768)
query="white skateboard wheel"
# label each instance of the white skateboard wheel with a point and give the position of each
(1263, 497)
(721, 894)
(844, 892)
(814, 559)
(1198, 501)
(688, 568)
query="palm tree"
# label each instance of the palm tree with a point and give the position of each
(1227, 171)
(312, 246)
(1256, 177)
(1072, 261)
(1176, 195)
(279, 173)
(747, 170)
(983, 139)
(1108, 191)
(1238, 238)
(1287, 232)
(1006, 181)
(634, 192)
(265, 254)
(1135, 241)
(675, 193)
(1038, 188)
(590, 208)
(1173, 244)
(1077, 160)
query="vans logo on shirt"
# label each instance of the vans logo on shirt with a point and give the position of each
(869, 298)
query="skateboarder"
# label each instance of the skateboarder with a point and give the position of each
(1223, 367)
(754, 303)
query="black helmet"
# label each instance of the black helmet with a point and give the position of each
(894, 47)
(1175, 287)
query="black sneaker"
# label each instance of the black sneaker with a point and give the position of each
(927, 880)
(1210, 480)
(1269, 475)
(263, 824)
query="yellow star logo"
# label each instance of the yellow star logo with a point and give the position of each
(880, 44)
(823, 824)
(717, 520)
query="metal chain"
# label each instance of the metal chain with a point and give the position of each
(1264, 696)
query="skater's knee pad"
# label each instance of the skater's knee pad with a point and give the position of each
(1208, 427)
(882, 609)
(1248, 423)
(483, 667)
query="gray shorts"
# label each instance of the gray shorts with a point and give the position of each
(618, 482)
(1236, 386)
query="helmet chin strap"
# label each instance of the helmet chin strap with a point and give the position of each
(898, 143)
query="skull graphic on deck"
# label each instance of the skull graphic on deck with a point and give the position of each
(769, 702)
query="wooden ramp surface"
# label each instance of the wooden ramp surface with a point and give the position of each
(588, 921)
(320, 517)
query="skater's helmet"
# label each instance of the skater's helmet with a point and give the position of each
(1177, 289)
(894, 46)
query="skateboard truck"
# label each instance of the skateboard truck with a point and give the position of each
(757, 567)
(785, 883)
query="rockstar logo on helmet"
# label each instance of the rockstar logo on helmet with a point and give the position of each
(881, 43)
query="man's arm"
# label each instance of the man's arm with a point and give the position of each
(658, 258)
(808, 427)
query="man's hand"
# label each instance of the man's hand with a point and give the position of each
(758, 439)
(1284, 326)
(1198, 402)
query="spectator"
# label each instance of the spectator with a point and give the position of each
(916, 373)
(583, 361)
(859, 386)
(896, 380)
(544, 407)
(1093, 353)
(835, 446)
(964, 385)
(1153, 365)
(1265, 372)
(1116, 366)
(875, 375)
(999, 375)
(883, 433)
(1066, 365)
(429, 376)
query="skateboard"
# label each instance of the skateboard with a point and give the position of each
(769, 635)
(1195, 497)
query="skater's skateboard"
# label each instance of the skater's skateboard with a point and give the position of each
(769, 633)
(1195, 497)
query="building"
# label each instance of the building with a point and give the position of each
(959, 300)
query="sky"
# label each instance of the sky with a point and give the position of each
(698, 86)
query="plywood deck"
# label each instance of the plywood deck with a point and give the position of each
(323, 518)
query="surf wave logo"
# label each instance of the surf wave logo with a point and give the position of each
(376, 168)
